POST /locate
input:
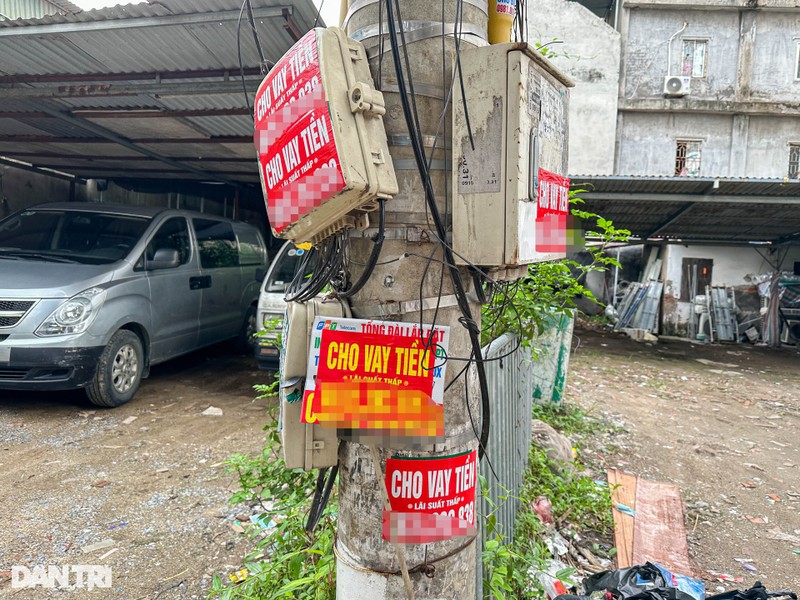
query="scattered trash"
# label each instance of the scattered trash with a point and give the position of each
(129, 420)
(86, 413)
(107, 554)
(753, 466)
(796, 551)
(556, 445)
(550, 581)
(543, 509)
(756, 520)
(783, 537)
(239, 576)
(557, 544)
(212, 411)
(757, 592)
(237, 527)
(725, 577)
(100, 483)
(710, 363)
(749, 485)
(162, 470)
(117, 525)
(107, 543)
(627, 510)
(774, 497)
(644, 579)
(263, 522)
(749, 567)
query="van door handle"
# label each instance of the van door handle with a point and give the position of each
(198, 283)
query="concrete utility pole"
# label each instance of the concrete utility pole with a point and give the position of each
(368, 567)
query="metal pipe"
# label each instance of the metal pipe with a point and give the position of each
(669, 47)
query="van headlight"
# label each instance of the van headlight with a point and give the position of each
(75, 315)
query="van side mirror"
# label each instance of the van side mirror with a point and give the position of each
(261, 272)
(165, 258)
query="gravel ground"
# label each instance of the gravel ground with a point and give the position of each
(721, 422)
(140, 489)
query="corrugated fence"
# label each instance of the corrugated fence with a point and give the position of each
(511, 396)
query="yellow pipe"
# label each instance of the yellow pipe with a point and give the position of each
(342, 12)
(501, 19)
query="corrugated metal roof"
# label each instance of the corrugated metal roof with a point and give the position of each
(176, 56)
(686, 209)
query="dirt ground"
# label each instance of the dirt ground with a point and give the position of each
(147, 496)
(722, 423)
(142, 484)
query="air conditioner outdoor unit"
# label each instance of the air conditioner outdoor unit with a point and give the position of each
(676, 85)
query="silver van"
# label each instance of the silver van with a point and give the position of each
(92, 295)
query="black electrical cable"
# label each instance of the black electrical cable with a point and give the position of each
(319, 10)
(377, 244)
(322, 494)
(239, 54)
(262, 62)
(467, 321)
(328, 264)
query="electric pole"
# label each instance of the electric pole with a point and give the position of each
(411, 268)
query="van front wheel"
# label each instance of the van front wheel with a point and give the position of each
(119, 371)
(246, 340)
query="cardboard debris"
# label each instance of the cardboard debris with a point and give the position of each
(212, 411)
(98, 546)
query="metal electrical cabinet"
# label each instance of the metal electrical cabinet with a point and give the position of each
(516, 107)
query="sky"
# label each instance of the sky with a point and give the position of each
(329, 13)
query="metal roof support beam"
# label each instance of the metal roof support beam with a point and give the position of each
(682, 198)
(48, 139)
(139, 76)
(142, 22)
(290, 26)
(670, 220)
(113, 137)
(40, 170)
(32, 156)
(99, 90)
(124, 113)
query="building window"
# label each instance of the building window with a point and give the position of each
(694, 58)
(797, 62)
(687, 158)
(794, 161)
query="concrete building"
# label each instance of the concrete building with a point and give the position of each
(706, 130)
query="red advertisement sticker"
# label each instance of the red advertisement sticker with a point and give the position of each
(431, 499)
(298, 160)
(376, 376)
(552, 211)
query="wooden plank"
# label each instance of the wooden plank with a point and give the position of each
(623, 491)
(659, 533)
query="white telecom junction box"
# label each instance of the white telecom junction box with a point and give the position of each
(516, 104)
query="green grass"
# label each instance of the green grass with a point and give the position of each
(576, 500)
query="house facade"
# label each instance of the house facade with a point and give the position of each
(708, 90)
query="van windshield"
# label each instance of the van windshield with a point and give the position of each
(70, 236)
(285, 269)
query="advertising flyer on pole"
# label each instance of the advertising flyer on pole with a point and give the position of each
(298, 159)
(385, 378)
(431, 499)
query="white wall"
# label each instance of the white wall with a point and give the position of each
(730, 266)
(589, 53)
